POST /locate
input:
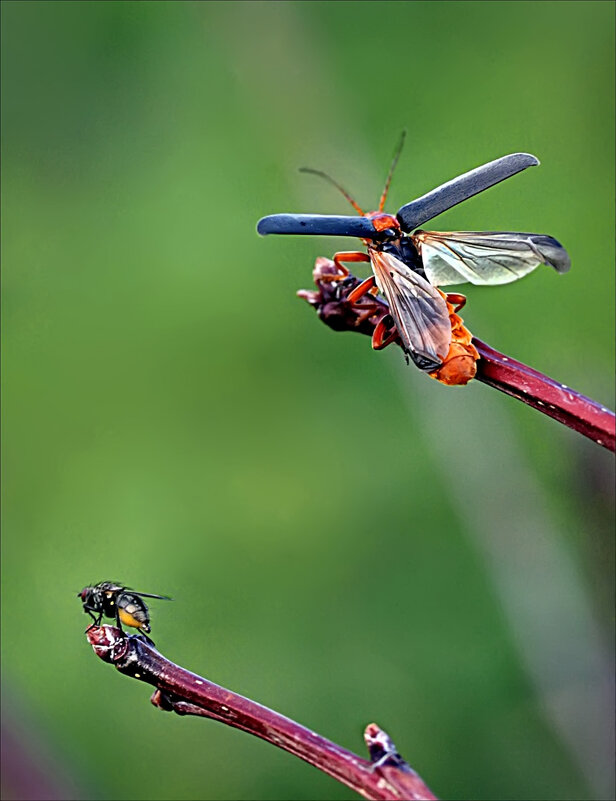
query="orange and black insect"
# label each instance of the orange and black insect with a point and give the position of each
(120, 603)
(409, 264)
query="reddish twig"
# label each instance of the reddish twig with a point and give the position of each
(550, 397)
(386, 778)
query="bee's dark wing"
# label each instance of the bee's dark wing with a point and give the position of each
(149, 595)
(419, 309)
(490, 257)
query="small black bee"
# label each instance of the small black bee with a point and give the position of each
(120, 603)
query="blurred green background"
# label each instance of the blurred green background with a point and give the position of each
(346, 540)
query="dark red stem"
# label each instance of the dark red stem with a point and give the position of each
(386, 778)
(550, 397)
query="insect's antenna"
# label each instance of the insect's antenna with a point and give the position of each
(391, 170)
(337, 185)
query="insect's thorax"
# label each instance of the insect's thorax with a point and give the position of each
(404, 249)
(108, 603)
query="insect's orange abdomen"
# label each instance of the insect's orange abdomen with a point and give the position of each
(130, 620)
(460, 365)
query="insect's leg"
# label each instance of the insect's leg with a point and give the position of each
(361, 289)
(118, 621)
(353, 256)
(96, 619)
(349, 256)
(456, 300)
(365, 311)
(383, 335)
(141, 635)
(328, 278)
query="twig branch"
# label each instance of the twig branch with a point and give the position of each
(550, 397)
(386, 778)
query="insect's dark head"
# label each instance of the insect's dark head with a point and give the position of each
(85, 593)
(91, 599)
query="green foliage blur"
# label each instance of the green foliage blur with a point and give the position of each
(176, 419)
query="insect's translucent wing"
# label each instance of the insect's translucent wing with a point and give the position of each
(419, 310)
(148, 595)
(490, 257)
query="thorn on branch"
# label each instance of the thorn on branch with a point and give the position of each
(501, 372)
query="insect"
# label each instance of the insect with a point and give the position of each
(116, 601)
(409, 264)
